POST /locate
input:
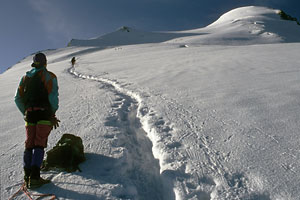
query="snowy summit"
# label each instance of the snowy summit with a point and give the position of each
(209, 114)
(250, 25)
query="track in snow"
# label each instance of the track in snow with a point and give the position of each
(138, 164)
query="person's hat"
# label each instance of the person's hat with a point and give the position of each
(39, 59)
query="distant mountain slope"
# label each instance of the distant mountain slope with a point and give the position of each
(127, 36)
(247, 25)
(241, 26)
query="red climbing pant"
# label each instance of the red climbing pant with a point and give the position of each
(37, 134)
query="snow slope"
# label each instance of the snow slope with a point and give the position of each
(241, 26)
(126, 36)
(159, 121)
(244, 26)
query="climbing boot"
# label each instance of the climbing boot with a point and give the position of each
(27, 173)
(36, 183)
(35, 180)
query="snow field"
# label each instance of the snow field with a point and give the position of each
(195, 148)
(181, 121)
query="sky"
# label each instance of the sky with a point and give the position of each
(29, 26)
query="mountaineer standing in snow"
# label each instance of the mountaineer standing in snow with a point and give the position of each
(73, 61)
(37, 99)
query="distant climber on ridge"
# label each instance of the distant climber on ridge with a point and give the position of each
(73, 60)
(37, 99)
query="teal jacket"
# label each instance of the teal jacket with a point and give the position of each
(50, 81)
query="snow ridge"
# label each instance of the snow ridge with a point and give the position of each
(241, 26)
(128, 36)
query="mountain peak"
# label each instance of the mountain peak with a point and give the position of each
(246, 26)
(125, 29)
(240, 26)
(248, 13)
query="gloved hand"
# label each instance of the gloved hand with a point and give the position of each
(54, 122)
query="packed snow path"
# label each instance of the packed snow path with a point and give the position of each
(139, 164)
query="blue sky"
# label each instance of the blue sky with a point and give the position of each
(28, 26)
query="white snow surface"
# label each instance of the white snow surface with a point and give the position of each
(183, 115)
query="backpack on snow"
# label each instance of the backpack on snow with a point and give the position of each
(67, 154)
